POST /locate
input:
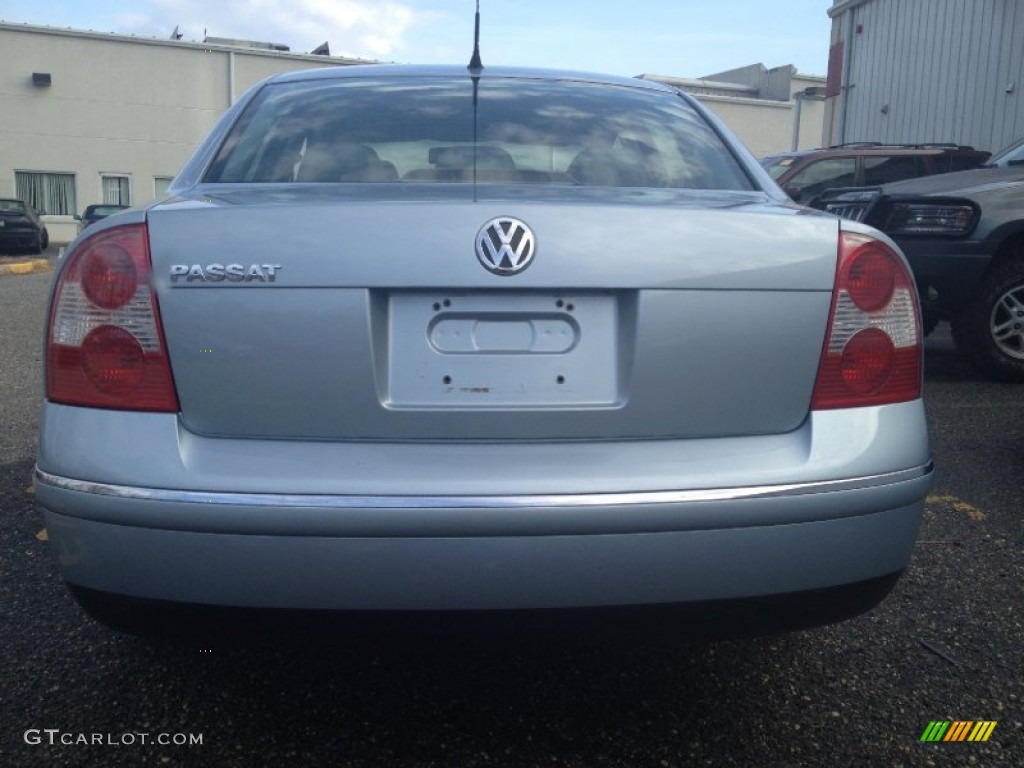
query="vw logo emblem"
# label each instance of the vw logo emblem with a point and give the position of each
(505, 246)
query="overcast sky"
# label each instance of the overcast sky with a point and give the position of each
(687, 38)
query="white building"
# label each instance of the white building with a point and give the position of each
(95, 118)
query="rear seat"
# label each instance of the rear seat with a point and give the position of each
(344, 163)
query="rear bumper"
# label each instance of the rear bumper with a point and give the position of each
(414, 554)
(706, 619)
(18, 238)
(138, 506)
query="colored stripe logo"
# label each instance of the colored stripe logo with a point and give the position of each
(958, 730)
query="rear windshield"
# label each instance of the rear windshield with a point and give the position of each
(439, 130)
(1012, 155)
(104, 210)
(12, 206)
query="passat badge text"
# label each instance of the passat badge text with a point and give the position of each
(216, 273)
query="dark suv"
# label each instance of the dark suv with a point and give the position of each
(805, 175)
(963, 234)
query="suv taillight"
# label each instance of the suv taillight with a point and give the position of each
(104, 344)
(873, 349)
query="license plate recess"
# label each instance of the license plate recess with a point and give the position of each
(502, 350)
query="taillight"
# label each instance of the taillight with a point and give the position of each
(872, 352)
(105, 345)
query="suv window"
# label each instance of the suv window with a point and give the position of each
(12, 206)
(880, 164)
(776, 166)
(824, 174)
(882, 170)
(953, 162)
(438, 130)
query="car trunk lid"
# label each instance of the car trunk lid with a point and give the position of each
(315, 314)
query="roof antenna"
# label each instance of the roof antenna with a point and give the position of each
(475, 66)
(474, 62)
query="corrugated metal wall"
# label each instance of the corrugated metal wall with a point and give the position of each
(935, 71)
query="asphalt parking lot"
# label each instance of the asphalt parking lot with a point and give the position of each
(946, 645)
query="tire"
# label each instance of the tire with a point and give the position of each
(990, 331)
(46, 239)
(38, 247)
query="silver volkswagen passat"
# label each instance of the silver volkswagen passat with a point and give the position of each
(427, 339)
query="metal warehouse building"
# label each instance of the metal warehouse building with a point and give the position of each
(915, 71)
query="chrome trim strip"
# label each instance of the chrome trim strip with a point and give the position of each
(479, 502)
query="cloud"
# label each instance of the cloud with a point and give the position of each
(360, 28)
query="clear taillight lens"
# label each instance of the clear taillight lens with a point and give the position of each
(105, 345)
(872, 352)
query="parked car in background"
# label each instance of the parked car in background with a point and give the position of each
(1012, 156)
(94, 213)
(427, 340)
(963, 234)
(21, 228)
(806, 174)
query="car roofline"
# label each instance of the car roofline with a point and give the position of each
(371, 71)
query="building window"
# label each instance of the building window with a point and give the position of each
(160, 185)
(116, 190)
(49, 193)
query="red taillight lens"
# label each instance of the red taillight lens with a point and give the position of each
(113, 360)
(105, 346)
(871, 277)
(866, 361)
(872, 350)
(109, 276)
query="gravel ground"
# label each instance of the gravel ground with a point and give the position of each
(945, 645)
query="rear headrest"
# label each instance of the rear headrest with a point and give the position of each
(330, 162)
(462, 157)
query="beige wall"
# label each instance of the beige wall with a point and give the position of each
(762, 120)
(766, 126)
(116, 105)
(812, 119)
